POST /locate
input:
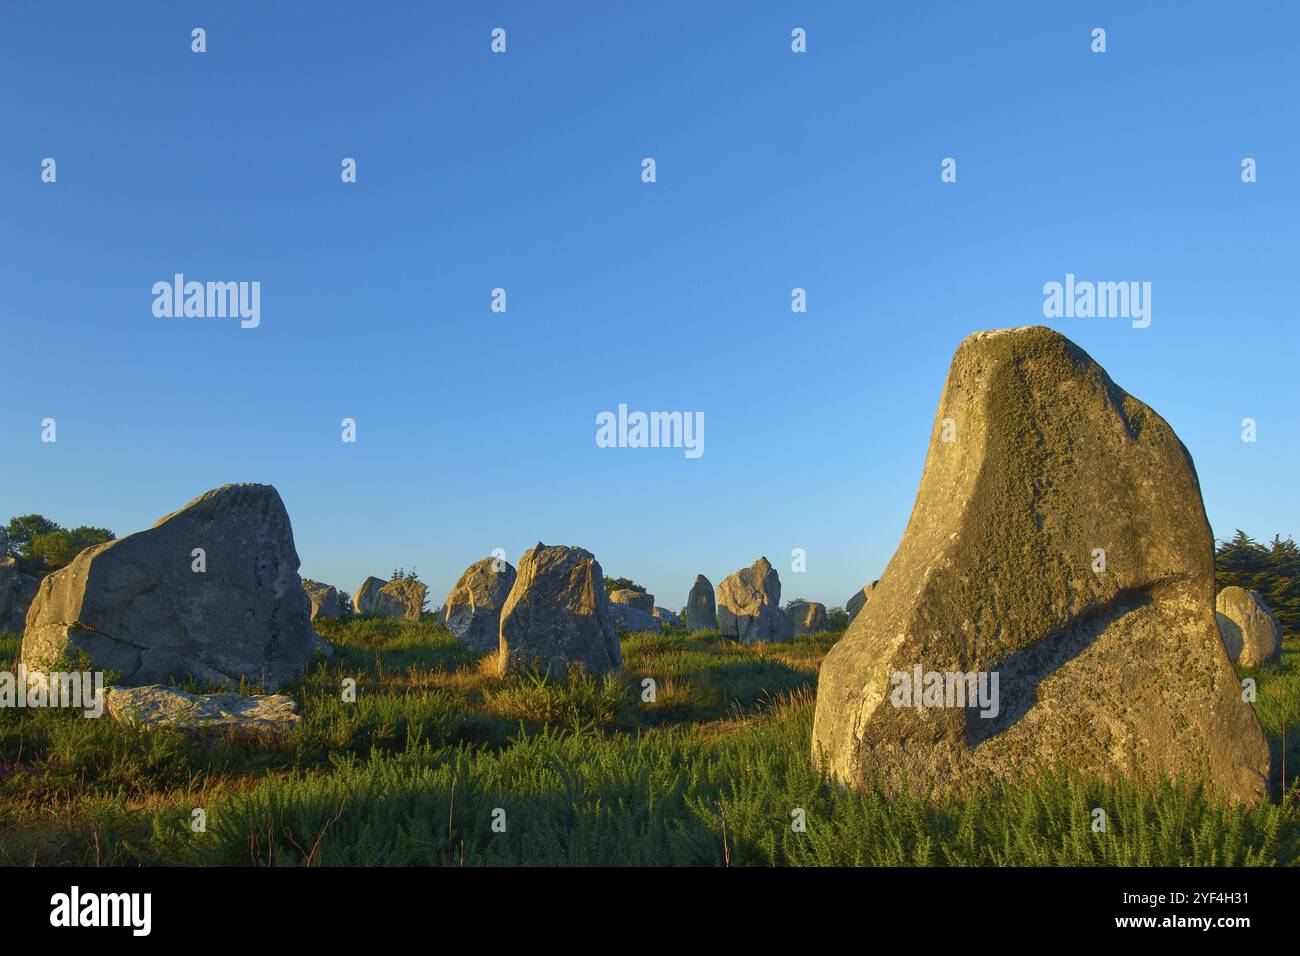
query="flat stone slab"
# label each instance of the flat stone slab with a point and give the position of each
(263, 715)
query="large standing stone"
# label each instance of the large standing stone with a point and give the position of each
(1252, 635)
(749, 605)
(472, 610)
(558, 614)
(366, 600)
(701, 611)
(859, 600)
(1038, 463)
(138, 607)
(645, 603)
(324, 599)
(633, 620)
(807, 617)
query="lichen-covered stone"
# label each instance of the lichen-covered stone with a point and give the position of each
(806, 617)
(1250, 632)
(668, 618)
(645, 603)
(1058, 540)
(749, 605)
(701, 608)
(324, 599)
(472, 610)
(143, 607)
(558, 616)
(365, 601)
(261, 715)
(629, 619)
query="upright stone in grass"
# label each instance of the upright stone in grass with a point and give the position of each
(472, 610)
(558, 615)
(209, 594)
(324, 599)
(645, 603)
(1059, 544)
(1252, 635)
(807, 617)
(402, 597)
(366, 600)
(701, 611)
(749, 605)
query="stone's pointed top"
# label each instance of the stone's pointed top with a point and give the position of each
(223, 497)
(1025, 331)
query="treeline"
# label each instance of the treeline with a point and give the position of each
(1271, 569)
(40, 545)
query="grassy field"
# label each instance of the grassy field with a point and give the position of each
(436, 748)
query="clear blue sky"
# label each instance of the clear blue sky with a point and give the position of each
(775, 170)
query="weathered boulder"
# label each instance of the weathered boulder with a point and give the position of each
(1040, 472)
(364, 601)
(17, 591)
(749, 605)
(472, 610)
(806, 617)
(859, 600)
(558, 614)
(643, 602)
(701, 611)
(668, 618)
(1251, 634)
(324, 599)
(632, 620)
(142, 606)
(401, 597)
(260, 715)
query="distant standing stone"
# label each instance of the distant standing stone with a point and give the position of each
(1251, 633)
(807, 617)
(324, 599)
(367, 595)
(472, 610)
(701, 611)
(558, 614)
(403, 597)
(749, 605)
